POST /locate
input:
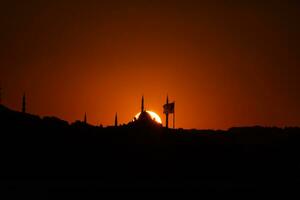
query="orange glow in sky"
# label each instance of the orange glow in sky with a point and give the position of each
(226, 64)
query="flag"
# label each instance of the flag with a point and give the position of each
(169, 108)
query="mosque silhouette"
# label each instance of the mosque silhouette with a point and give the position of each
(144, 118)
(143, 151)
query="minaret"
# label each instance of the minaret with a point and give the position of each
(24, 103)
(116, 120)
(142, 107)
(0, 95)
(167, 114)
(85, 118)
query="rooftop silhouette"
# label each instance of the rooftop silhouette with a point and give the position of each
(75, 77)
(143, 150)
(144, 119)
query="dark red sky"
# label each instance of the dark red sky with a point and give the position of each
(225, 64)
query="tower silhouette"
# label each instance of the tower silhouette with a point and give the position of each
(169, 108)
(142, 106)
(116, 120)
(85, 118)
(0, 95)
(24, 103)
(167, 114)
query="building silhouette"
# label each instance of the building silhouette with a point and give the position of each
(167, 114)
(0, 95)
(85, 118)
(24, 103)
(142, 106)
(116, 120)
(169, 108)
(145, 118)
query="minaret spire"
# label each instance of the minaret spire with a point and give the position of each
(142, 107)
(167, 113)
(116, 120)
(85, 118)
(24, 103)
(0, 95)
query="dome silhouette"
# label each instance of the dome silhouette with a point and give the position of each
(152, 116)
(145, 116)
(145, 119)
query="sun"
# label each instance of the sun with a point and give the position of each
(153, 116)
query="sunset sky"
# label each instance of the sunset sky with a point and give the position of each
(225, 63)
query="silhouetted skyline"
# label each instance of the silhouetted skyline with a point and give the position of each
(226, 63)
(51, 154)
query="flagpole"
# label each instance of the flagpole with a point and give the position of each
(174, 117)
(167, 113)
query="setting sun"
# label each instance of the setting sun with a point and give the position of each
(153, 116)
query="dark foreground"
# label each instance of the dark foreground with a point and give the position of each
(51, 157)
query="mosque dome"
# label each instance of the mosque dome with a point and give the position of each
(145, 116)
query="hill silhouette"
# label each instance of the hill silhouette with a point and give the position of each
(145, 154)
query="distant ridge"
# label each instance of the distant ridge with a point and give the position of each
(18, 121)
(141, 152)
